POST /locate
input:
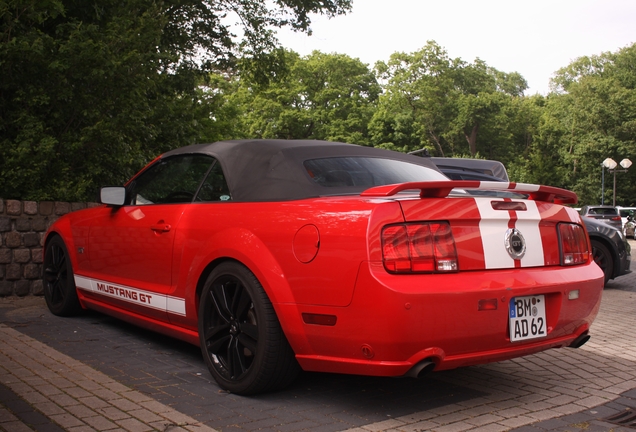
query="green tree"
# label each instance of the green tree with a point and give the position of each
(91, 90)
(320, 96)
(447, 105)
(486, 108)
(591, 116)
(417, 106)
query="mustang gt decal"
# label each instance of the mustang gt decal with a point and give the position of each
(133, 295)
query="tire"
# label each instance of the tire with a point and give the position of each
(58, 280)
(241, 339)
(603, 258)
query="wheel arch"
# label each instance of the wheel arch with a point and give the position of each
(246, 248)
(61, 228)
(287, 314)
(203, 277)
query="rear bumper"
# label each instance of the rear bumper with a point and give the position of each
(396, 322)
(625, 257)
(624, 265)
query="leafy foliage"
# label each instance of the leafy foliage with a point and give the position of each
(592, 116)
(446, 105)
(91, 90)
(321, 96)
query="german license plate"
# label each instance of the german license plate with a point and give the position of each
(527, 318)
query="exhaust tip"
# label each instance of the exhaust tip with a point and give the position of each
(580, 341)
(421, 369)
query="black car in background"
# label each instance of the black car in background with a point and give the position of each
(609, 246)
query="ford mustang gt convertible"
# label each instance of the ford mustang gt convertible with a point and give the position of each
(275, 256)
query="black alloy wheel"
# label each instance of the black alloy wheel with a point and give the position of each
(58, 280)
(241, 339)
(603, 258)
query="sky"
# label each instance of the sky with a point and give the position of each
(533, 37)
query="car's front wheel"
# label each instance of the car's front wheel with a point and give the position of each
(241, 339)
(59, 283)
(603, 258)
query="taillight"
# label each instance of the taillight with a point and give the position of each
(616, 218)
(419, 248)
(574, 245)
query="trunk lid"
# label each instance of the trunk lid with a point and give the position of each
(516, 229)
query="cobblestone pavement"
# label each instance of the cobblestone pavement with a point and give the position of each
(94, 373)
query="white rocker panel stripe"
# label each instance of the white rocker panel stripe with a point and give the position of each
(136, 296)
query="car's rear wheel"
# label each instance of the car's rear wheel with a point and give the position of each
(603, 258)
(58, 280)
(241, 338)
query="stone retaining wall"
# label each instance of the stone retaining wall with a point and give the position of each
(22, 228)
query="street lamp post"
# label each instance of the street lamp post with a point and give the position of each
(611, 165)
(603, 183)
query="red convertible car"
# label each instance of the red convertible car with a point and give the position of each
(275, 256)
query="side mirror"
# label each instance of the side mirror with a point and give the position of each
(113, 195)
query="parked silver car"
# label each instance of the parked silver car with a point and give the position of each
(625, 212)
(607, 214)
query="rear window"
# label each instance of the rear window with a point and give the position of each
(367, 172)
(602, 211)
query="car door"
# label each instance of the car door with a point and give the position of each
(130, 248)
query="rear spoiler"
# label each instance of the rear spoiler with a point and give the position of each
(441, 189)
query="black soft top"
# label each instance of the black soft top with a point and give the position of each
(272, 170)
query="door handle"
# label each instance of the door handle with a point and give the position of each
(161, 227)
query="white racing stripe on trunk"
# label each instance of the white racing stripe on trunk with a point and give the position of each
(528, 187)
(528, 224)
(493, 227)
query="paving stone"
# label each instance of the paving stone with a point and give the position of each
(518, 421)
(85, 428)
(66, 420)
(455, 427)
(113, 413)
(51, 408)
(100, 423)
(80, 411)
(77, 392)
(493, 427)
(134, 425)
(15, 426)
(75, 416)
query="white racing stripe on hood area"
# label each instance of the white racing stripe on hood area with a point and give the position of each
(493, 227)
